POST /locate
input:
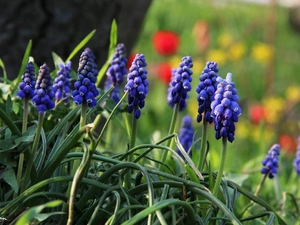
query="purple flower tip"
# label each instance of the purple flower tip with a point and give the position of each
(180, 83)
(137, 85)
(186, 135)
(270, 163)
(27, 85)
(225, 109)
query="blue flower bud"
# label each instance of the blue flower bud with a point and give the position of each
(180, 83)
(207, 85)
(225, 110)
(43, 93)
(186, 135)
(86, 78)
(137, 85)
(270, 163)
(27, 85)
(297, 159)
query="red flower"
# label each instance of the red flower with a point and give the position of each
(165, 42)
(288, 143)
(256, 113)
(164, 72)
(130, 59)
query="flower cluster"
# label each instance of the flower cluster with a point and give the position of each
(43, 93)
(85, 88)
(27, 85)
(206, 91)
(62, 86)
(181, 84)
(225, 108)
(137, 85)
(186, 134)
(297, 159)
(270, 163)
(115, 94)
(117, 69)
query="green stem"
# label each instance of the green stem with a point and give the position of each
(81, 124)
(108, 119)
(130, 156)
(33, 151)
(201, 160)
(171, 130)
(78, 149)
(76, 182)
(221, 168)
(261, 184)
(21, 158)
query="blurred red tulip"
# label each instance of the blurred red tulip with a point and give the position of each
(130, 59)
(288, 143)
(164, 72)
(165, 43)
(256, 113)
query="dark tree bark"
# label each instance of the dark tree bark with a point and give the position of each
(59, 25)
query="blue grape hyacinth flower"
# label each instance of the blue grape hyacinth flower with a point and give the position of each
(137, 85)
(27, 85)
(225, 108)
(297, 159)
(206, 91)
(270, 163)
(43, 93)
(115, 93)
(85, 88)
(180, 84)
(62, 84)
(186, 135)
(117, 69)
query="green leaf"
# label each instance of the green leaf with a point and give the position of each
(80, 45)
(7, 120)
(34, 212)
(9, 105)
(237, 178)
(5, 90)
(4, 70)
(24, 62)
(57, 60)
(10, 178)
(112, 46)
(7, 159)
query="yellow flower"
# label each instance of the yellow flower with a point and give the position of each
(198, 66)
(217, 55)
(293, 94)
(174, 61)
(262, 52)
(225, 40)
(274, 107)
(237, 51)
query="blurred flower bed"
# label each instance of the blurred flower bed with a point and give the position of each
(265, 67)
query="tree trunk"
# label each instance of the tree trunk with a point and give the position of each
(58, 26)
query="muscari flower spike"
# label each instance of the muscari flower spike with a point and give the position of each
(43, 93)
(85, 88)
(27, 85)
(206, 90)
(62, 86)
(180, 84)
(137, 85)
(115, 93)
(117, 69)
(297, 159)
(186, 134)
(270, 163)
(225, 108)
